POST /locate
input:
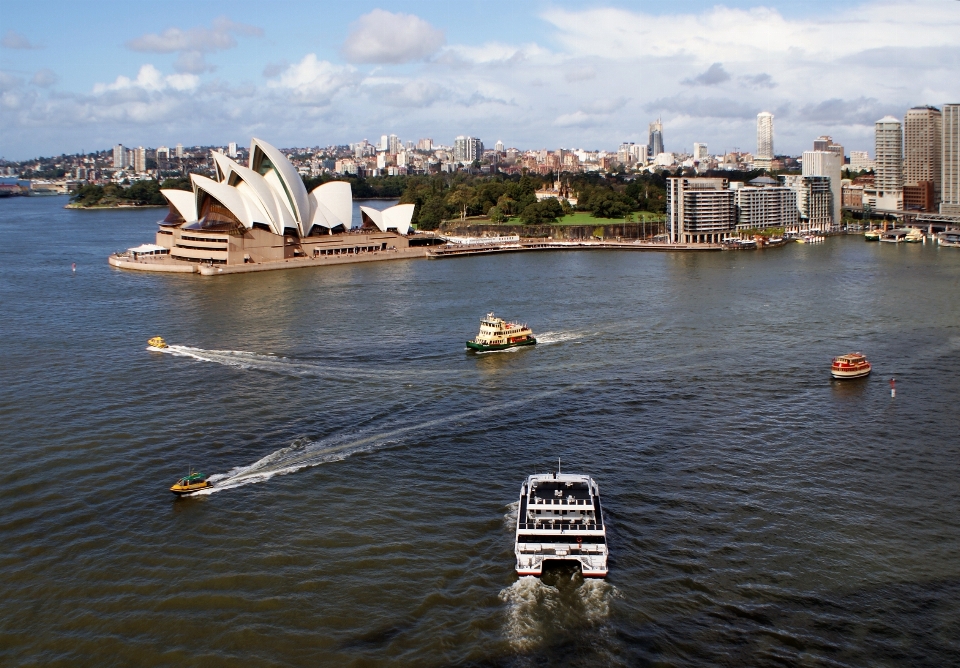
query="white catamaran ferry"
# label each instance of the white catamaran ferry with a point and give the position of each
(560, 518)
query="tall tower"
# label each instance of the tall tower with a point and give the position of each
(888, 143)
(829, 164)
(764, 135)
(922, 146)
(119, 157)
(950, 154)
(655, 140)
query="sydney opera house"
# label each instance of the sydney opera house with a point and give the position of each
(262, 217)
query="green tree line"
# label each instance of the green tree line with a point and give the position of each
(140, 193)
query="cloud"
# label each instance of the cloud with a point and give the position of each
(704, 107)
(9, 81)
(582, 73)
(192, 44)
(762, 80)
(273, 69)
(418, 94)
(315, 81)
(714, 75)
(150, 79)
(385, 37)
(44, 78)
(862, 111)
(14, 40)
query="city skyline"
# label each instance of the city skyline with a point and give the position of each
(533, 75)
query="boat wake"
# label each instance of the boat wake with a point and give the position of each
(305, 452)
(536, 611)
(242, 359)
(548, 338)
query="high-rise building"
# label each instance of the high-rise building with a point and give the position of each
(393, 144)
(764, 137)
(384, 140)
(922, 146)
(119, 157)
(763, 207)
(829, 164)
(467, 149)
(425, 144)
(140, 159)
(700, 210)
(179, 150)
(498, 147)
(639, 153)
(232, 149)
(950, 155)
(888, 149)
(700, 152)
(860, 160)
(814, 202)
(826, 143)
(655, 138)
(164, 152)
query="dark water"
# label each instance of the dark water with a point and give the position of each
(758, 513)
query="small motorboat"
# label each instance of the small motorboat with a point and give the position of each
(872, 235)
(190, 483)
(157, 342)
(852, 365)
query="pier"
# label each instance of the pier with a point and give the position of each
(459, 250)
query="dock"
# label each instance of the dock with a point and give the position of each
(459, 250)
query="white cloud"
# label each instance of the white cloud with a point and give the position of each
(315, 81)
(14, 40)
(385, 37)
(192, 44)
(9, 81)
(44, 78)
(150, 79)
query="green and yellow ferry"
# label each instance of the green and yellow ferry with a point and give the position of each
(498, 334)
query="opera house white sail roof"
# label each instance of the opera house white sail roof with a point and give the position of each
(268, 193)
(395, 218)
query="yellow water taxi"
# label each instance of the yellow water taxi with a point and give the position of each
(157, 342)
(190, 483)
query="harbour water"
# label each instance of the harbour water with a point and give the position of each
(367, 467)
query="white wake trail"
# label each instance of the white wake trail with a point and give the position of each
(304, 452)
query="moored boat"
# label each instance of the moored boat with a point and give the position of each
(914, 236)
(560, 519)
(852, 365)
(190, 483)
(950, 238)
(157, 342)
(872, 235)
(498, 334)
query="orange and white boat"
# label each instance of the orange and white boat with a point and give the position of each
(852, 365)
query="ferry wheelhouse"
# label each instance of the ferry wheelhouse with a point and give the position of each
(498, 334)
(560, 519)
(853, 365)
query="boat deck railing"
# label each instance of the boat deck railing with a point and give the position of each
(538, 501)
(558, 526)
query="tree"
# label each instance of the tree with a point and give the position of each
(495, 215)
(462, 198)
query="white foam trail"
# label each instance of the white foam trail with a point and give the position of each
(510, 517)
(304, 453)
(243, 359)
(547, 338)
(526, 600)
(535, 609)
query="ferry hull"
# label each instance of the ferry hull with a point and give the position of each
(847, 375)
(473, 345)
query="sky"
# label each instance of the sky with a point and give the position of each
(83, 76)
